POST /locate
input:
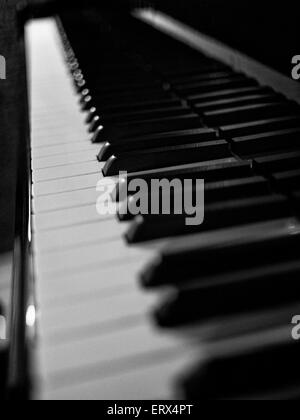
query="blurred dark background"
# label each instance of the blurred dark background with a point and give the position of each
(265, 30)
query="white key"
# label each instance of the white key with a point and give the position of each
(146, 382)
(63, 149)
(85, 256)
(64, 238)
(68, 217)
(65, 200)
(109, 348)
(64, 288)
(91, 310)
(65, 138)
(65, 159)
(6, 265)
(95, 311)
(65, 184)
(67, 171)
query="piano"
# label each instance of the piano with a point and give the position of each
(145, 306)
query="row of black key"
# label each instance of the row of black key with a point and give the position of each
(250, 176)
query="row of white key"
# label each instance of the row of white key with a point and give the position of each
(96, 336)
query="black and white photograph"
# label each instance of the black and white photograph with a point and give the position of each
(149, 203)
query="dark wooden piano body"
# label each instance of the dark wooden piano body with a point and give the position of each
(263, 30)
(14, 196)
(13, 119)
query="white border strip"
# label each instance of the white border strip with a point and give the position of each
(217, 50)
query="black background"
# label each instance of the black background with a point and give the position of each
(265, 30)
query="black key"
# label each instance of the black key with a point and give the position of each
(164, 139)
(241, 114)
(95, 123)
(78, 76)
(235, 251)
(267, 142)
(136, 112)
(117, 82)
(198, 303)
(111, 66)
(128, 98)
(87, 103)
(73, 65)
(232, 102)
(210, 171)
(277, 163)
(160, 125)
(261, 126)
(140, 106)
(288, 181)
(134, 78)
(227, 94)
(214, 191)
(81, 85)
(92, 113)
(85, 92)
(198, 77)
(201, 79)
(144, 115)
(109, 70)
(217, 216)
(164, 157)
(269, 371)
(296, 195)
(175, 71)
(115, 87)
(209, 86)
(119, 73)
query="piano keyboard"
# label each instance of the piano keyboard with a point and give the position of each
(122, 310)
(5, 293)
